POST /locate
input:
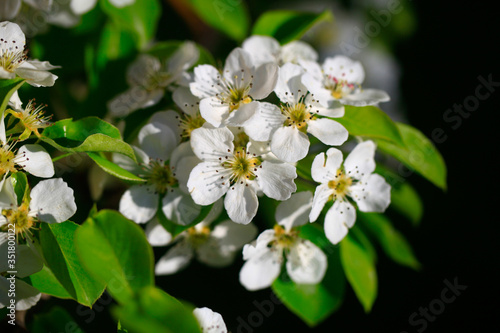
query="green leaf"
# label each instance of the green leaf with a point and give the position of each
(370, 122)
(165, 49)
(288, 25)
(359, 236)
(115, 170)
(57, 243)
(392, 241)
(56, 320)
(120, 329)
(230, 17)
(21, 186)
(7, 88)
(47, 283)
(360, 270)
(115, 43)
(314, 303)
(154, 311)
(140, 18)
(115, 251)
(418, 154)
(89, 134)
(404, 198)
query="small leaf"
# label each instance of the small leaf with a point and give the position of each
(56, 320)
(360, 270)
(230, 17)
(114, 250)
(114, 169)
(47, 283)
(57, 243)
(314, 303)
(370, 122)
(139, 18)
(155, 311)
(288, 25)
(418, 154)
(89, 134)
(392, 241)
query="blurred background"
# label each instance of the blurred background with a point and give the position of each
(429, 56)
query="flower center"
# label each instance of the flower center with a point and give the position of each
(198, 236)
(242, 166)
(20, 218)
(283, 238)
(10, 60)
(237, 97)
(338, 88)
(6, 160)
(189, 123)
(340, 184)
(297, 115)
(31, 119)
(159, 174)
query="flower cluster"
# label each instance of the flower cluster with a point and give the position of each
(239, 134)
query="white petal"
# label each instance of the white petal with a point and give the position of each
(139, 203)
(80, 7)
(238, 67)
(289, 144)
(209, 143)
(254, 248)
(175, 259)
(9, 9)
(241, 203)
(276, 180)
(181, 151)
(211, 254)
(264, 122)
(322, 171)
(206, 81)
(361, 160)
(12, 36)
(297, 50)
(333, 108)
(214, 111)
(183, 170)
(240, 116)
(8, 196)
(36, 161)
(328, 131)
(372, 194)
(321, 196)
(232, 236)
(189, 103)
(306, 263)
(141, 71)
(316, 88)
(338, 220)
(179, 207)
(343, 68)
(289, 81)
(264, 80)
(183, 58)
(205, 185)
(295, 211)
(262, 269)
(157, 141)
(156, 233)
(35, 76)
(170, 119)
(121, 3)
(366, 97)
(262, 49)
(209, 320)
(133, 99)
(15, 102)
(53, 200)
(129, 164)
(313, 70)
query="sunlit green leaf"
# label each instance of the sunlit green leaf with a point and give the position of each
(287, 25)
(115, 170)
(47, 283)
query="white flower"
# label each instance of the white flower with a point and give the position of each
(10, 8)
(159, 159)
(191, 118)
(306, 263)
(27, 263)
(339, 79)
(13, 59)
(355, 179)
(216, 248)
(80, 7)
(50, 201)
(265, 49)
(210, 321)
(31, 158)
(230, 98)
(148, 77)
(303, 114)
(231, 165)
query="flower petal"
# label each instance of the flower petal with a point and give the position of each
(262, 49)
(338, 220)
(322, 171)
(139, 203)
(206, 81)
(179, 207)
(133, 99)
(80, 7)
(35, 74)
(341, 67)
(262, 269)
(205, 184)
(289, 144)
(156, 233)
(53, 201)
(289, 81)
(36, 161)
(276, 180)
(169, 119)
(186, 101)
(12, 36)
(365, 97)
(209, 320)
(264, 122)
(240, 116)
(176, 258)
(157, 141)
(264, 80)
(361, 160)
(306, 263)
(297, 50)
(328, 131)
(241, 203)
(295, 211)
(209, 143)
(232, 236)
(214, 111)
(372, 194)
(9, 9)
(183, 58)
(321, 196)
